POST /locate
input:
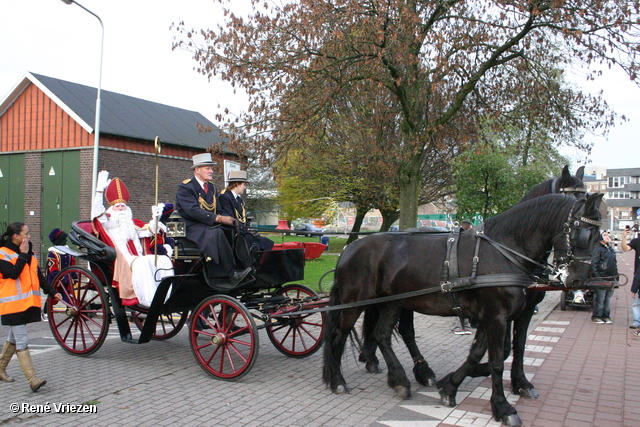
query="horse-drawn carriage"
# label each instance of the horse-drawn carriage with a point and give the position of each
(387, 273)
(223, 320)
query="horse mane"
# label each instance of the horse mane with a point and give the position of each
(518, 222)
(555, 185)
(544, 188)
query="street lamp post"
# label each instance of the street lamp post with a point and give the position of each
(96, 126)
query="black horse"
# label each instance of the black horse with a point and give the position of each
(563, 184)
(391, 264)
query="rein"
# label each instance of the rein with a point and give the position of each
(466, 283)
(504, 250)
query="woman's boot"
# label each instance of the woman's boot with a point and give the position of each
(7, 353)
(24, 357)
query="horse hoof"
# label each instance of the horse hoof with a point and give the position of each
(403, 392)
(447, 400)
(528, 393)
(373, 368)
(512, 420)
(341, 389)
(427, 382)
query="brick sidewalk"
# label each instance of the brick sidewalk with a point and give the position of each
(584, 373)
(590, 377)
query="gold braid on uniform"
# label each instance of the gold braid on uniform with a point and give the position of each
(207, 206)
(243, 218)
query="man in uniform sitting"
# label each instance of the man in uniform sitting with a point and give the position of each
(231, 204)
(197, 203)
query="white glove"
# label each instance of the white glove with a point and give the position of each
(169, 250)
(156, 210)
(103, 180)
(152, 227)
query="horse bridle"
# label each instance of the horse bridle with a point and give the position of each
(569, 231)
(576, 237)
(566, 190)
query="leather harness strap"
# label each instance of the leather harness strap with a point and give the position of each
(450, 271)
(457, 285)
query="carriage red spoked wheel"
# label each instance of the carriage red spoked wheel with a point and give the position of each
(168, 325)
(80, 322)
(297, 335)
(223, 337)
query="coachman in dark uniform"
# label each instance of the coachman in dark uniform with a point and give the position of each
(231, 204)
(197, 203)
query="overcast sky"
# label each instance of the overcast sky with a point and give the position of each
(63, 41)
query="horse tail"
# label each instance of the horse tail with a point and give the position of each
(331, 329)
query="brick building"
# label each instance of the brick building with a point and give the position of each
(47, 143)
(623, 195)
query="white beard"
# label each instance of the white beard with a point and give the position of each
(120, 224)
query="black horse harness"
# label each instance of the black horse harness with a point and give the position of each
(452, 283)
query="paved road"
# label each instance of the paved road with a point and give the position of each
(580, 370)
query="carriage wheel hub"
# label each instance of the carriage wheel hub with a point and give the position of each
(219, 339)
(72, 312)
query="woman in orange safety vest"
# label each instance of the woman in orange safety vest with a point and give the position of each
(20, 296)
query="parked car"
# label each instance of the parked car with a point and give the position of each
(307, 229)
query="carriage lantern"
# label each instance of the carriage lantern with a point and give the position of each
(175, 227)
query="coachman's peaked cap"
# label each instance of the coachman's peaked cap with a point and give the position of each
(203, 159)
(237, 176)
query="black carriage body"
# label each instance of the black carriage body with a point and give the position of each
(189, 285)
(188, 291)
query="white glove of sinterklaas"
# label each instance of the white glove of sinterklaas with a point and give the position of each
(156, 210)
(103, 180)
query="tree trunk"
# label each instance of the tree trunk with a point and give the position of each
(410, 183)
(357, 223)
(388, 217)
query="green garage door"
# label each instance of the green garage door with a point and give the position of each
(11, 189)
(60, 193)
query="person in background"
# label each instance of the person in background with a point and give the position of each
(635, 245)
(604, 265)
(20, 296)
(56, 258)
(635, 308)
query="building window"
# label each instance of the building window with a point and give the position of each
(618, 181)
(624, 214)
(619, 195)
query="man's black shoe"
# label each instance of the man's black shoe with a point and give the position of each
(238, 275)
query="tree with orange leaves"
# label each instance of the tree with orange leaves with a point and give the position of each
(436, 59)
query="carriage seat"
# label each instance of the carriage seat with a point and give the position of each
(81, 235)
(186, 248)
